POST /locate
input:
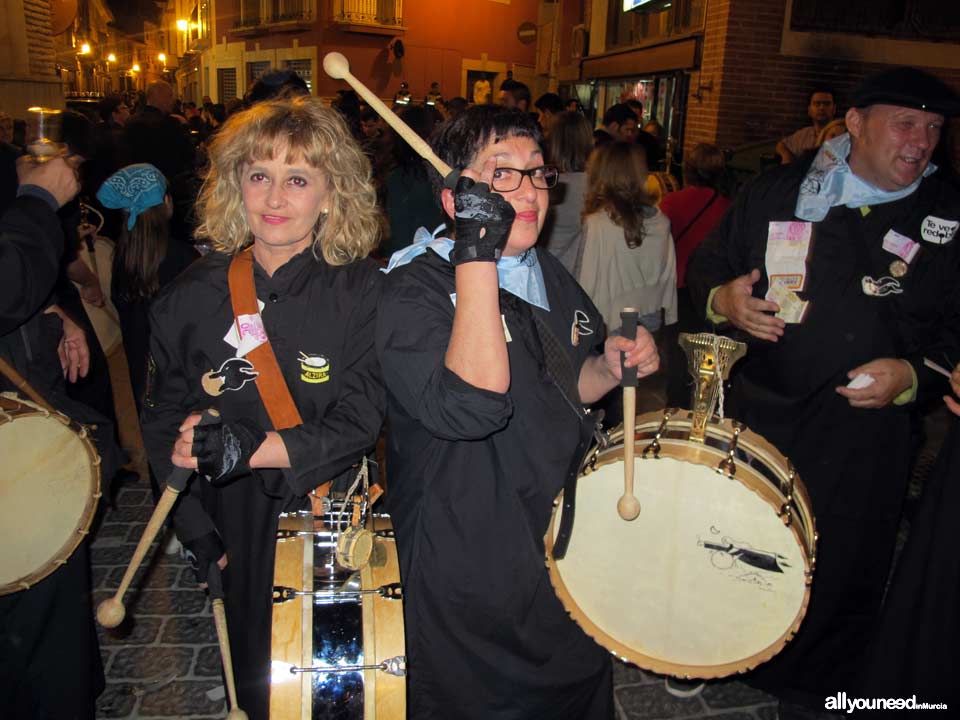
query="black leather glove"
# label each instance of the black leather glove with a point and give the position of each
(477, 209)
(201, 552)
(224, 449)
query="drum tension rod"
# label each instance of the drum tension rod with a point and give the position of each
(786, 510)
(655, 443)
(392, 666)
(728, 466)
(391, 591)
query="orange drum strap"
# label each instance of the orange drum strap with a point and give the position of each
(270, 383)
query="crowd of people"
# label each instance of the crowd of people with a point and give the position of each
(476, 318)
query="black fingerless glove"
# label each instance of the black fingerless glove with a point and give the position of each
(202, 552)
(477, 209)
(223, 450)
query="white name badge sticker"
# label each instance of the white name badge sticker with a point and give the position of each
(937, 230)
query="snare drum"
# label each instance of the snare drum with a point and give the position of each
(337, 641)
(51, 485)
(714, 576)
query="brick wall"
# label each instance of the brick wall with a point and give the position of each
(759, 94)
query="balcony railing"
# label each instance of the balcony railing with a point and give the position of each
(375, 13)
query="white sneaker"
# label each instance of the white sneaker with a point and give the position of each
(680, 688)
(171, 544)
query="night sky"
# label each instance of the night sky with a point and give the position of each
(130, 14)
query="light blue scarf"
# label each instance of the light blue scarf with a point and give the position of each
(830, 182)
(519, 275)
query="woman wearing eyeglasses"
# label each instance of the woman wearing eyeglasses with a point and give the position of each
(489, 350)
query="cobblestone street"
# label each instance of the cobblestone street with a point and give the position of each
(163, 662)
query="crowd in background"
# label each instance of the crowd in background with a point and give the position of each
(620, 222)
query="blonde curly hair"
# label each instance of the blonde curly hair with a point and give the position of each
(303, 127)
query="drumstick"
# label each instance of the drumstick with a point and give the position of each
(628, 506)
(215, 587)
(338, 67)
(111, 611)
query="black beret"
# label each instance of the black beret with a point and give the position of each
(907, 87)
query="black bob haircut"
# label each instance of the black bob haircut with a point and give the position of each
(458, 140)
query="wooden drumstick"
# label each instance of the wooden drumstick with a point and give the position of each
(338, 67)
(215, 587)
(111, 611)
(628, 506)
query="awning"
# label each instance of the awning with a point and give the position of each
(678, 55)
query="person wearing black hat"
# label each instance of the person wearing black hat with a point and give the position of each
(841, 273)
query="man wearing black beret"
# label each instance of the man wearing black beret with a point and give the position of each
(842, 272)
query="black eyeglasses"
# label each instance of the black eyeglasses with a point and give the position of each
(506, 179)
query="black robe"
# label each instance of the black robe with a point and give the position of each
(917, 646)
(50, 665)
(472, 478)
(854, 462)
(313, 309)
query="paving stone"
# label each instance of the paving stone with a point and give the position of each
(132, 631)
(135, 531)
(181, 697)
(653, 701)
(116, 701)
(119, 555)
(139, 663)
(112, 530)
(208, 662)
(159, 577)
(131, 497)
(99, 574)
(767, 712)
(629, 674)
(105, 655)
(190, 630)
(139, 514)
(734, 716)
(170, 602)
(723, 694)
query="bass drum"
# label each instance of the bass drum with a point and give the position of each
(337, 646)
(713, 577)
(51, 485)
(659, 184)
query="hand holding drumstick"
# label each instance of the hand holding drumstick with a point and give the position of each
(628, 506)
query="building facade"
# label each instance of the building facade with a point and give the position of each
(734, 72)
(223, 46)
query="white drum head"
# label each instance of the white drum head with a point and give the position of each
(707, 580)
(50, 483)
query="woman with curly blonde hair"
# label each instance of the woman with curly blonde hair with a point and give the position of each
(288, 206)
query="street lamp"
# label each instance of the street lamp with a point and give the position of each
(85, 49)
(136, 67)
(182, 25)
(163, 59)
(111, 58)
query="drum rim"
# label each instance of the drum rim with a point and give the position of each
(85, 520)
(804, 534)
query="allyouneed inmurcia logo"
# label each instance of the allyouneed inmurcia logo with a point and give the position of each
(841, 702)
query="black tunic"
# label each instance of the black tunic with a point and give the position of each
(48, 628)
(917, 648)
(312, 309)
(854, 462)
(473, 475)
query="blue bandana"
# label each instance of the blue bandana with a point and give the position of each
(519, 275)
(134, 188)
(830, 182)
